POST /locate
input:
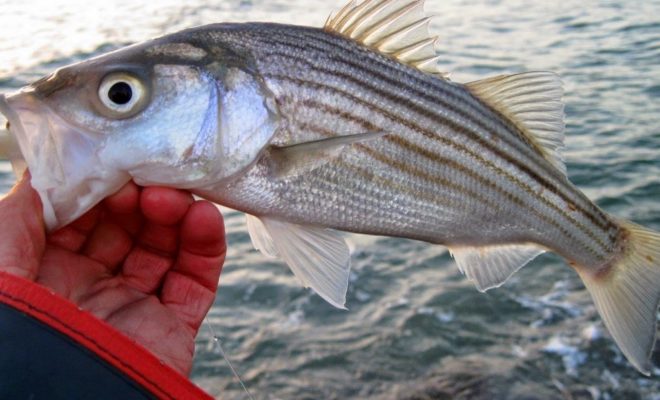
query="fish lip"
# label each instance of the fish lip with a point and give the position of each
(65, 170)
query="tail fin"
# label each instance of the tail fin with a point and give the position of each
(628, 294)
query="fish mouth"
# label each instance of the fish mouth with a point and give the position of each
(61, 158)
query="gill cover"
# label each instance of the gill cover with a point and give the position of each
(248, 119)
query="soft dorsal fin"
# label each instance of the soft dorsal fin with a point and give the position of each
(398, 28)
(532, 101)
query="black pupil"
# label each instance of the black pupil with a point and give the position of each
(120, 93)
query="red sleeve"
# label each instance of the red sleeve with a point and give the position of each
(98, 337)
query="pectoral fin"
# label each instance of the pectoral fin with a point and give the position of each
(304, 156)
(491, 266)
(318, 257)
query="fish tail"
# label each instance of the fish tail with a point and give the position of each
(627, 293)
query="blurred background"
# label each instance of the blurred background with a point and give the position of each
(416, 329)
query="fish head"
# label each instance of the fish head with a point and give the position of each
(160, 113)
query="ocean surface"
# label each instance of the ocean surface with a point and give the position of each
(415, 328)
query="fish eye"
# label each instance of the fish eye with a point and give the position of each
(121, 94)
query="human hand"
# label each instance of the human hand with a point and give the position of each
(146, 260)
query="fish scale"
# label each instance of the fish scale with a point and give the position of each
(470, 101)
(281, 67)
(417, 90)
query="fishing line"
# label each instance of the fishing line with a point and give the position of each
(216, 341)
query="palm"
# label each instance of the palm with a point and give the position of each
(145, 261)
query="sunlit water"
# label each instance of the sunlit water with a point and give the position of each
(416, 329)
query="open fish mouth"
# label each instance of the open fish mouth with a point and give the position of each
(60, 156)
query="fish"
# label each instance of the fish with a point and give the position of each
(352, 127)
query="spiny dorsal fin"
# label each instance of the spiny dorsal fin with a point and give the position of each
(532, 101)
(398, 28)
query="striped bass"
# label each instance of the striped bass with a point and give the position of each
(347, 128)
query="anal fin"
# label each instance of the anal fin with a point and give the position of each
(319, 257)
(490, 266)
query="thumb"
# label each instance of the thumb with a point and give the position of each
(23, 236)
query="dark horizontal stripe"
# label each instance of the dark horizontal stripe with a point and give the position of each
(595, 215)
(414, 127)
(409, 146)
(399, 165)
(441, 91)
(421, 174)
(439, 94)
(523, 168)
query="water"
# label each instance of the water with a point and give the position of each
(416, 329)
